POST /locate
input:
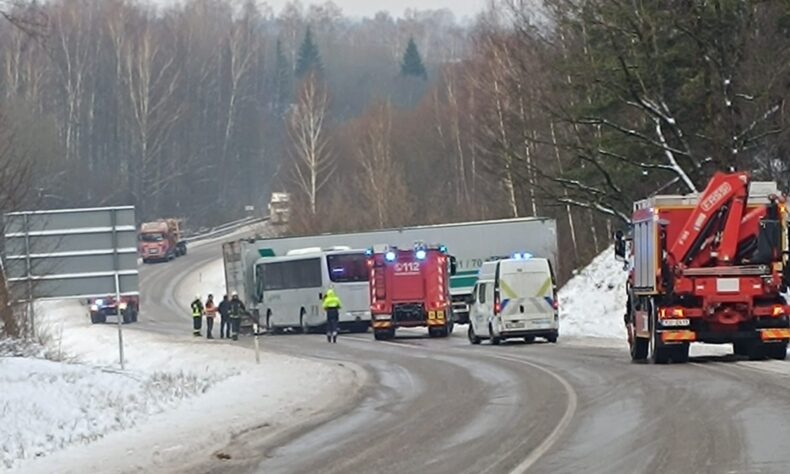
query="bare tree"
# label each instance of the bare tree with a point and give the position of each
(307, 123)
(383, 182)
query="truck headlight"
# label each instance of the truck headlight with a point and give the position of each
(94, 307)
(122, 306)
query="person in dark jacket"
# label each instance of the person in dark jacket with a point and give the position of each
(236, 310)
(332, 307)
(224, 314)
(197, 316)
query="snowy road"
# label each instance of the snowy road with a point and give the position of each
(443, 406)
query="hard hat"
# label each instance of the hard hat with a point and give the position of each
(234, 293)
(197, 296)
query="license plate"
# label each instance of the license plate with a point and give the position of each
(674, 322)
(151, 251)
(728, 285)
(514, 325)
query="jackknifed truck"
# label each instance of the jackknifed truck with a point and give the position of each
(472, 243)
(709, 267)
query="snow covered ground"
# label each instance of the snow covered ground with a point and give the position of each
(592, 303)
(178, 396)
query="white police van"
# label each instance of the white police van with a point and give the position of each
(514, 298)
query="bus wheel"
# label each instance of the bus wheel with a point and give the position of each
(302, 324)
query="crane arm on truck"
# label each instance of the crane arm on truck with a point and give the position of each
(710, 225)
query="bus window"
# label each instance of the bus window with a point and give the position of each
(272, 276)
(303, 273)
(347, 268)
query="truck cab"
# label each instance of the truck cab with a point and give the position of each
(514, 298)
(410, 288)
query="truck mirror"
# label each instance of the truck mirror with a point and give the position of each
(619, 245)
(453, 266)
(470, 299)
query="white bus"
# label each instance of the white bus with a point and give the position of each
(291, 289)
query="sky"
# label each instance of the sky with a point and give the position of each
(360, 8)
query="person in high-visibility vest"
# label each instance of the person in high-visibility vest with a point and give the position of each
(197, 316)
(332, 307)
(211, 313)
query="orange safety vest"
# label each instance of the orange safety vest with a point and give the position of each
(211, 310)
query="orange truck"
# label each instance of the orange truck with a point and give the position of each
(161, 241)
(709, 267)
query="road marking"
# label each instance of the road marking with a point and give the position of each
(565, 420)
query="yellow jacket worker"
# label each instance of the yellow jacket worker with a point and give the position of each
(332, 307)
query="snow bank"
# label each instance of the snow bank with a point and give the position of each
(592, 303)
(179, 399)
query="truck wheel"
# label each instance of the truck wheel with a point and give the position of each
(95, 319)
(473, 338)
(127, 318)
(777, 350)
(680, 355)
(639, 349)
(552, 338)
(384, 335)
(758, 351)
(741, 348)
(434, 332)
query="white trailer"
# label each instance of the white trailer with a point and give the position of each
(471, 243)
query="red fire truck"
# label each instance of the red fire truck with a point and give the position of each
(710, 268)
(410, 288)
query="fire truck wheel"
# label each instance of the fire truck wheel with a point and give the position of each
(473, 338)
(777, 350)
(741, 348)
(680, 354)
(758, 351)
(98, 318)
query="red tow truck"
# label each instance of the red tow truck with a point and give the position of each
(410, 288)
(709, 267)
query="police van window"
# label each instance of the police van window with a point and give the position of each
(482, 294)
(347, 268)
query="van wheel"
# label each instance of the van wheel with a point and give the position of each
(495, 340)
(552, 338)
(473, 338)
(529, 339)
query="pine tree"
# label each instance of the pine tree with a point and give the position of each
(309, 59)
(412, 62)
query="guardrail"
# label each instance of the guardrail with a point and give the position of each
(226, 228)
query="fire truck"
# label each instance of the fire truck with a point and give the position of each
(410, 288)
(709, 267)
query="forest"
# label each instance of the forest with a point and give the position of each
(570, 109)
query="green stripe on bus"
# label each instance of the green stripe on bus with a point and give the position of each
(266, 252)
(465, 272)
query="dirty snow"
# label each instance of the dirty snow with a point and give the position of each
(178, 396)
(592, 303)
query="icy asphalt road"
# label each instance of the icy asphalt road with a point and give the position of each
(443, 406)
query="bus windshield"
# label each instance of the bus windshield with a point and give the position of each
(347, 268)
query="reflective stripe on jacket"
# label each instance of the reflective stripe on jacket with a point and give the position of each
(197, 309)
